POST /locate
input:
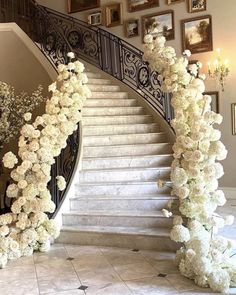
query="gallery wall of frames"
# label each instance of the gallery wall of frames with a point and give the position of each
(199, 25)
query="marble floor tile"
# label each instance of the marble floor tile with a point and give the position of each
(181, 283)
(151, 286)
(165, 266)
(135, 271)
(23, 261)
(118, 288)
(21, 286)
(93, 261)
(69, 292)
(59, 283)
(53, 254)
(97, 277)
(76, 251)
(54, 267)
(17, 273)
(153, 256)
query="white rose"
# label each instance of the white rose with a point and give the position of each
(27, 117)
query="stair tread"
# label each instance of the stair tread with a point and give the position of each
(124, 125)
(117, 116)
(120, 183)
(128, 157)
(119, 230)
(131, 197)
(132, 144)
(125, 213)
(127, 169)
(125, 135)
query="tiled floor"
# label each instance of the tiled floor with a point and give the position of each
(91, 270)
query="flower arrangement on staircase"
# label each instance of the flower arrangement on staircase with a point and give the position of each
(204, 256)
(27, 227)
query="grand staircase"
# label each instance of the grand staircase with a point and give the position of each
(117, 200)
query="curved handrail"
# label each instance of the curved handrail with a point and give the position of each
(56, 34)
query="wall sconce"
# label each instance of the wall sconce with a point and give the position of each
(219, 69)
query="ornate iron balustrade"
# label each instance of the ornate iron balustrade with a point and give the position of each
(56, 34)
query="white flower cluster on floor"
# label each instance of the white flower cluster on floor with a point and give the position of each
(27, 227)
(204, 256)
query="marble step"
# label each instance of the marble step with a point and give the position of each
(127, 150)
(93, 75)
(104, 111)
(127, 161)
(120, 188)
(115, 120)
(117, 218)
(97, 81)
(124, 174)
(109, 94)
(110, 102)
(124, 139)
(103, 88)
(123, 237)
(121, 129)
(147, 203)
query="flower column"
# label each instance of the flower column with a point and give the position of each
(27, 227)
(204, 256)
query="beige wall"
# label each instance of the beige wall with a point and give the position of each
(224, 24)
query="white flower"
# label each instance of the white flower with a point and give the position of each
(148, 39)
(27, 116)
(71, 54)
(52, 87)
(167, 213)
(229, 220)
(177, 220)
(187, 53)
(61, 183)
(219, 280)
(9, 160)
(201, 265)
(179, 177)
(180, 234)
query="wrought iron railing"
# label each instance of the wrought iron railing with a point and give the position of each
(56, 34)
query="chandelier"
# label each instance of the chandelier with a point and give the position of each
(219, 69)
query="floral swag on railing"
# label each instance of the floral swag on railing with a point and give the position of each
(27, 227)
(204, 256)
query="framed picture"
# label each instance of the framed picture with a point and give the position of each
(135, 5)
(95, 18)
(233, 110)
(165, 19)
(80, 5)
(114, 15)
(131, 28)
(169, 2)
(215, 100)
(197, 34)
(196, 5)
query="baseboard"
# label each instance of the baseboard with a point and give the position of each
(230, 192)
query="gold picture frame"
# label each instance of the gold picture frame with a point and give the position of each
(133, 5)
(81, 5)
(170, 2)
(233, 114)
(164, 18)
(131, 28)
(114, 15)
(95, 18)
(197, 5)
(197, 34)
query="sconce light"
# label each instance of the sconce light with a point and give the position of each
(219, 69)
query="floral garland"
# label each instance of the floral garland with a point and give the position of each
(204, 256)
(27, 227)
